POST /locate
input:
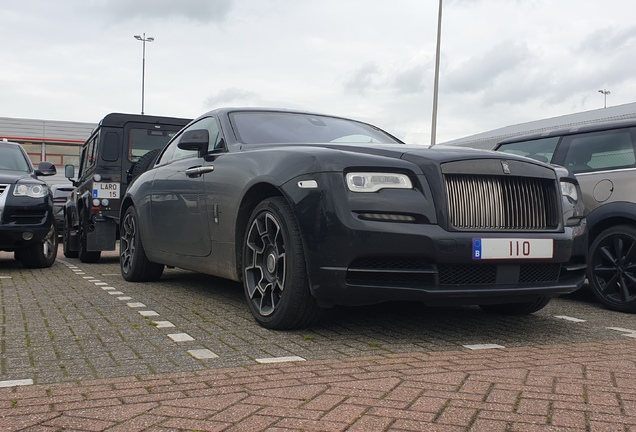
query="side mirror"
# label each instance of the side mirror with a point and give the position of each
(45, 169)
(69, 171)
(197, 139)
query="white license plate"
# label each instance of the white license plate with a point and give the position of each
(512, 248)
(106, 190)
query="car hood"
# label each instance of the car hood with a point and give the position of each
(11, 177)
(423, 155)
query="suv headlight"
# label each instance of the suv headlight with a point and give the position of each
(374, 181)
(31, 190)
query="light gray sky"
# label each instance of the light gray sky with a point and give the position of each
(503, 62)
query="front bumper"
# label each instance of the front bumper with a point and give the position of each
(352, 261)
(25, 221)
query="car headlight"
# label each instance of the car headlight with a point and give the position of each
(31, 190)
(568, 189)
(374, 181)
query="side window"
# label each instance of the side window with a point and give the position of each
(599, 151)
(89, 154)
(539, 149)
(173, 152)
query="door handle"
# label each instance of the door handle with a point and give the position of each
(199, 171)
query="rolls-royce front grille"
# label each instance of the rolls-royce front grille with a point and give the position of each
(480, 202)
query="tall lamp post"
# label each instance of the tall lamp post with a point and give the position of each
(143, 39)
(605, 93)
(436, 85)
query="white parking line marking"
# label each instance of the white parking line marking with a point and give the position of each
(93, 280)
(14, 383)
(567, 318)
(148, 313)
(181, 337)
(111, 274)
(6, 277)
(162, 324)
(626, 332)
(107, 288)
(202, 354)
(114, 292)
(100, 283)
(483, 346)
(280, 359)
(124, 298)
(89, 277)
(135, 305)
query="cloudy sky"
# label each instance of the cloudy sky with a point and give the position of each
(503, 62)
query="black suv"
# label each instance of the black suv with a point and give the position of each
(603, 158)
(119, 148)
(26, 208)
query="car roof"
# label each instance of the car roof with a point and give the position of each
(594, 127)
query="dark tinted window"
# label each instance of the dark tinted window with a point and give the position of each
(539, 149)
(110, 152)
(598, 151)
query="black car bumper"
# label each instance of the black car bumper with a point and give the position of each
(354, 261)
(24, 222)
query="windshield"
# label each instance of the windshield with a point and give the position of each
(294, 128)
(12, 159)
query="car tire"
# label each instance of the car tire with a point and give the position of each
(524, 308)
(134, 264)
(144, 162)
(611, 268)
(66, 243)
(275, 278)
(84, 254)
(40, 255)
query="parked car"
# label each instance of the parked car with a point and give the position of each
(26, 208)
(60, 194)
(112, 155)
(603, 158)
(311, 211)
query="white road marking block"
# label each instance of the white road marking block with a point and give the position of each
(162, 324)
(114, 292)
(483, 346)
(567, 318)
(280, 359)
(124, 298)
(14, 383)
(148, 313)
(135, 305)
(202, 354)
(181, 337)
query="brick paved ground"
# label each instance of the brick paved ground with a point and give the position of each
(575, 387)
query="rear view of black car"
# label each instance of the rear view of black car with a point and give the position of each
(118, 149)
(26, 208)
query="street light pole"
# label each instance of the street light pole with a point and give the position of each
(143, 39)
(436, 85)
(605, 93)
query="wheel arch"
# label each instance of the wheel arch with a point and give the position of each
(608, 215)
(254, 195)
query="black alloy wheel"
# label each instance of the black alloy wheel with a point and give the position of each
(133, 262)
(611, 270)
(274, 274)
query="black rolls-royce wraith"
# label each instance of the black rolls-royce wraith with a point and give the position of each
(311, 211)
